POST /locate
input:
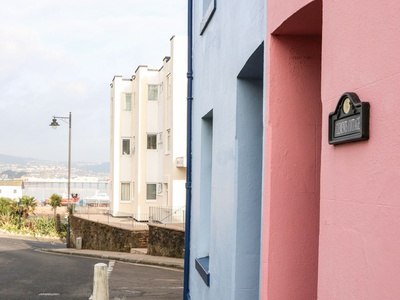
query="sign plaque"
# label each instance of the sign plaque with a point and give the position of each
(350, 121)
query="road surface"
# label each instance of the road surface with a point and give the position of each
(28, 273)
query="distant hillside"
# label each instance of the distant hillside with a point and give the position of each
(94, 167)
(98, 168)
(8, 159)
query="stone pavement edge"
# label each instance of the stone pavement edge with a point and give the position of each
(137, 258)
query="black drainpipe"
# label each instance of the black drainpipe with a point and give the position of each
(186, 293)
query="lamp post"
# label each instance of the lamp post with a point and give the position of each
(54, 124)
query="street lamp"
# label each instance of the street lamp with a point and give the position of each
(54, 124)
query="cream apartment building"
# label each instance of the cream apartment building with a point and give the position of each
(148, 136)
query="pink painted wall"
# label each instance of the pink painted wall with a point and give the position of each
(292, 164)
(359, 255)
(338, 203)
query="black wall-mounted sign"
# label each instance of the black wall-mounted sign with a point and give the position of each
(350, 121)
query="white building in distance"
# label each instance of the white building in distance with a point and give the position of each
(12, 189)
(148, 137)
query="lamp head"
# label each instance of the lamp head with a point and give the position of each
(54, 124)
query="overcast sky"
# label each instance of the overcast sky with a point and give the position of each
(58, 57)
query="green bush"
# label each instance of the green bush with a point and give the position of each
(40, 226)
(6, 206)
(14, 218)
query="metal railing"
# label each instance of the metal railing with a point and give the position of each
(103, 214)
(167, 215)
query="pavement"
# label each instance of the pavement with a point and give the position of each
(138, 257)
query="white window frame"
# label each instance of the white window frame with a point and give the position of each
(127, 102)
(155, 192)
(152, 135)
(124, 148)
(123, 191)
(152, 93)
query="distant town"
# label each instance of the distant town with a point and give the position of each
(17, 167)
(40, 178)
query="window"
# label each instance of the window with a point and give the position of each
(209, 7)
(128, 102)
(125, 191)
(151, 141)
(15, 191)
(151, 191)
(206, 4)
(153, 92)
(126, 146)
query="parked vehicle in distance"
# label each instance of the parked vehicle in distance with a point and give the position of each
(98, 199)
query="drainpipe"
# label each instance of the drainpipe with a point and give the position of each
(186, 293)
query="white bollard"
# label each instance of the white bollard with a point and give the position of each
(100, 283)
(78, 243)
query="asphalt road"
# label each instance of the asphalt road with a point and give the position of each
(28, 273)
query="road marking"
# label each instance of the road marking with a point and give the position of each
(49, 294)
(111, 264)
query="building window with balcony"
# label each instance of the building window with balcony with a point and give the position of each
(152, 92)
(126, 146)
(151, 191)
(125, 191)
(151, 141)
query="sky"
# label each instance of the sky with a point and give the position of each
(58, 57)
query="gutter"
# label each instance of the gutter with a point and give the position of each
(186, 268)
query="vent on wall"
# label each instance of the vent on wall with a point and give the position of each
(181, 162)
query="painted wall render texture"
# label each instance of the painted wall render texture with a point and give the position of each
(358, 208)
(216, 215)
(331, 214)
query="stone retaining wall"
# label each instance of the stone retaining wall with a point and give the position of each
(98, 236)
(166, 241)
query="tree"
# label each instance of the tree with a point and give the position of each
(55, 201)
(27, 206)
